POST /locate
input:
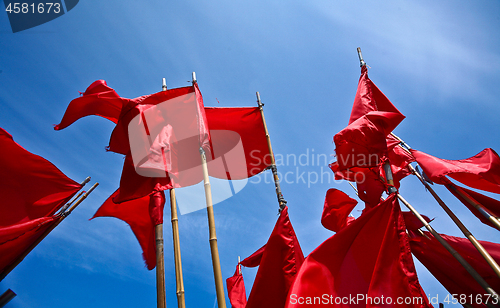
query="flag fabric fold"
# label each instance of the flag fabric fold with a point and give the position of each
(481, 171)
(338, 206)
(236, 289)
(281, 259)
(445, 268)
(368, 260)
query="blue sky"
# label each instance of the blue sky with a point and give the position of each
(436, 61)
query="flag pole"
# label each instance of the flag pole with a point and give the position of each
(161, 297)
(181, 303)
(491, 262)
(445, 244)
(219, 284)
(281, 200)
(60, 217)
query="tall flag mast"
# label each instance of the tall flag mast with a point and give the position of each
(219, 284)
(181, 302)
(281, 200)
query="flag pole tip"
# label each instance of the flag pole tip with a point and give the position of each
(193, 75)
(164, 84)
(361, 61)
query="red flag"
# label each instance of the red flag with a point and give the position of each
(254, 259)
(15, 239)
(481, 171)
(492, 205)
(281, 260)
(32, 190)
(30, 186)
(369, 98)
(141, 215)
(450, 273)
(98, 99)
(236, 289)
(336, 210)
(228, 128)
(365, 263)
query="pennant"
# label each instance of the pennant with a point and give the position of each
(364, 263)
(141, 215)
(236, 289)
(280, 261)
(450, 273)
(336, 210)
(481, 171)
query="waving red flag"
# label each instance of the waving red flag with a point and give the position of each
(481, 171)
(98, 99)
(280, 260)
(32, 190)
(450, 273)
(365, 144)
(364, 262)
(236, 289)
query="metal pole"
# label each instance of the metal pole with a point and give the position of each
(219, 284)
(361, 61)
(281, 200)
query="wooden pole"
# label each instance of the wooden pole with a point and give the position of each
(60, 218)
(487, 257)
(491, 262)
(445, 244)
(181, 303)
(492, 219)
(281, 200)
(6, 297)
(219, 284)
(451, 250)
(161, 296)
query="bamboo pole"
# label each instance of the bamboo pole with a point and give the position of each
(161, 296)
(219, 284)
(60, 218)
(181, 303)
(281, 200)
(487, 257)
(492, 219)
(445, 244)
(451, 250)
